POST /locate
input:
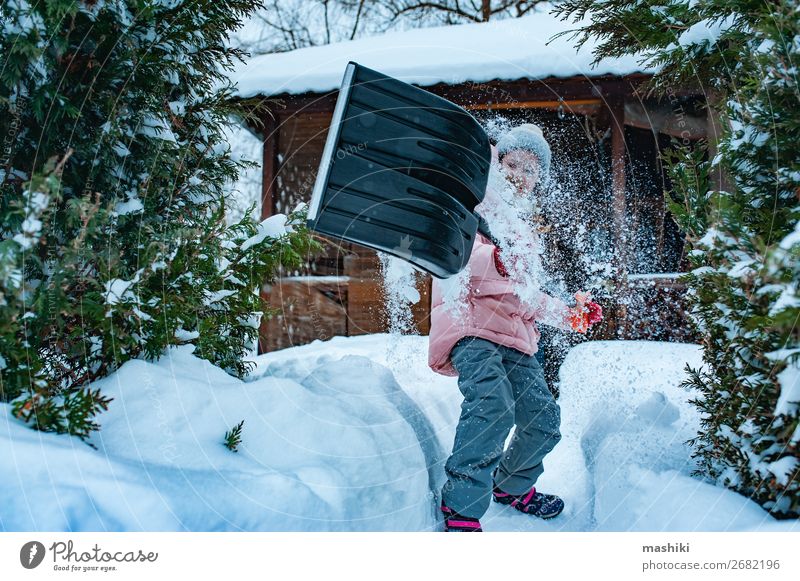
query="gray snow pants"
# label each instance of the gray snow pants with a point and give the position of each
(501, 387)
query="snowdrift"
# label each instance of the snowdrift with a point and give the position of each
(351, 434)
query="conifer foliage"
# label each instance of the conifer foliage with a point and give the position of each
(743, 227)
(113, 177)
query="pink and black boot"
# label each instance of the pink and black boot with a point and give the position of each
(454, 522)
(542, 505)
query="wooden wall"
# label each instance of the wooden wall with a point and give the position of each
(340, 291)
(320, 307)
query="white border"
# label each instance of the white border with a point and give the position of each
(392, 555)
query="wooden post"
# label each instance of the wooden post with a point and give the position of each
(616, 106)
(269, 167)
(268, 174)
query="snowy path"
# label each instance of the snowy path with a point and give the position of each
(352, 434)
(622, 463)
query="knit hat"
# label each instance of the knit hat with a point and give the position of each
(530, 137)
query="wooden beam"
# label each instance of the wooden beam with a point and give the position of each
(269, 167)
(521, 90)
(573, 105)
(495, 92)
(616, 107)
(662, 119)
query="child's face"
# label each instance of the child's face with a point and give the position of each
(522, 169)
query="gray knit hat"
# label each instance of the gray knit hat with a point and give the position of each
(530, 137)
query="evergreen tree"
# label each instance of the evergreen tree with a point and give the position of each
(740, 211)
(113, 176)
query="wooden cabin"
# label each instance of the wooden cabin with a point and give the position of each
(594, 118)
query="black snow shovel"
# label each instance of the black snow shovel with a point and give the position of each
(402, 172)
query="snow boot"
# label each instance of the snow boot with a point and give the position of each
(542, 505)
(454, 522)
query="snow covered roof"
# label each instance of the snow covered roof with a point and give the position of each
(505, 49)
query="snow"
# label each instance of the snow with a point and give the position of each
(629, 420)
(352, 434)
(788, 299)
(26, 20)
(520, 252)
(30, 232)
(711, 236)
(216, 296)
(121, 150)
(400, 290)
(314, 278)
(324, 447)
(783, 469)
(500, 49)
(656, 276)
(117, 288)
(272, 227)
(706, 31)
(789, 398)
(156, 127)
(31, 227)
(792, 238)
(129, 206)
(454, 293)
(742, 268)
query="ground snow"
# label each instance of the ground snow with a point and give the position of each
(352, 434)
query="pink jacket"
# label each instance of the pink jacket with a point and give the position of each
(492, 312)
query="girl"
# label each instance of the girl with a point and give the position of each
(488, 338)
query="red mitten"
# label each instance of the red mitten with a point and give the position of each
(595, 312)
(578, 320)
(498, 264)
(585, 313)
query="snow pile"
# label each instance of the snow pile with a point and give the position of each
(352, 434)
(330, 446)
(625, 421)
(511, 49)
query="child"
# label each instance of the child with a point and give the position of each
(490, 346)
